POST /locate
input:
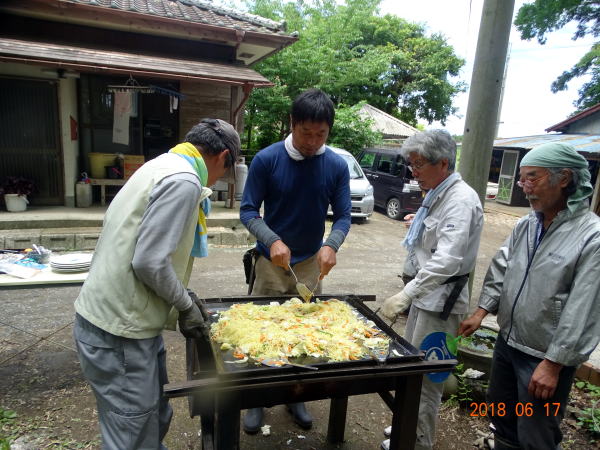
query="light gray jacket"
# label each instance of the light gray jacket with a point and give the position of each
(448, 247)
(548, 299)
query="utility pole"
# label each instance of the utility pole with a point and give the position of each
(484, 96)
(498, 122)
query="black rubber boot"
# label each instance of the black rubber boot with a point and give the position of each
(253, 420)
(301, 415)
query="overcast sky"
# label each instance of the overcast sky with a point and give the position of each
(529, 106)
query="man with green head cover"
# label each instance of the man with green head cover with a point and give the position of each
(544, 285)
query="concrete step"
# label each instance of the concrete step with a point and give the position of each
(33, 223)
(85, 238)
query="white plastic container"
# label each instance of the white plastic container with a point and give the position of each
(83, 194)
(15, 202)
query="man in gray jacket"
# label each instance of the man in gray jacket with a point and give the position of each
(442, 244)
(544, 285)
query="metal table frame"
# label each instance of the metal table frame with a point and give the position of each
(218, 399)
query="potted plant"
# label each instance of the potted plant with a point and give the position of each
(15, 191)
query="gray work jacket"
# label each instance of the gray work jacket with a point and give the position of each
(447, 247)
(548, 298)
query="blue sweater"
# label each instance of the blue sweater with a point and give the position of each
(296, 195)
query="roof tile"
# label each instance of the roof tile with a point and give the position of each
(198, 11)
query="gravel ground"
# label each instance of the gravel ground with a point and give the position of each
(56, 409)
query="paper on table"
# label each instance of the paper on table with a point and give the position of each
(19, 271)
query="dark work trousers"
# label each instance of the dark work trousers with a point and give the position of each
(127, 377)
(522, 421)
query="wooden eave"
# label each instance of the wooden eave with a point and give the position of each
(561, 126)
(94, 60)
(63, 11)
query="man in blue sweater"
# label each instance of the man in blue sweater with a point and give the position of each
(296, 180)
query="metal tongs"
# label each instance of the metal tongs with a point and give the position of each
(302, 289)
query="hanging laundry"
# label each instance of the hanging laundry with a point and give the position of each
(121, 116)
(173, 103)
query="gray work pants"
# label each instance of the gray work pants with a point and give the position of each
(127, 377)
(419, 324)
(529, 423)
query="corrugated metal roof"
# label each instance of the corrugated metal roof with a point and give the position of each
(86, 59)
(587, 144)
(197, 11)
(387, 124)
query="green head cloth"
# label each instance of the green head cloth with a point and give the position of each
(561, 155)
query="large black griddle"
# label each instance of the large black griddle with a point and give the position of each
(227, 364)
(217, 392)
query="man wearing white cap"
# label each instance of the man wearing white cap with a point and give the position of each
(544, 285)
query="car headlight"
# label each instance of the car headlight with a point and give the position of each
(369, 190)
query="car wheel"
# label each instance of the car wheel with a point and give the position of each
(393, 208)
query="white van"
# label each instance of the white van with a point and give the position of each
(361, 190)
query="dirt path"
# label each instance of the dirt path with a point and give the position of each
(56, 409)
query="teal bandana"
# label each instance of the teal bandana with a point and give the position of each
(561, 155)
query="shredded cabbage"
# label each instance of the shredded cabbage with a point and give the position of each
(323, 329)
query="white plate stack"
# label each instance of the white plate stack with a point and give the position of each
(71, 262)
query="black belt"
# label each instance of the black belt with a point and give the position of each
(459, 283)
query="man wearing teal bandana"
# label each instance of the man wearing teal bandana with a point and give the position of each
(544, 286)
(152, 230)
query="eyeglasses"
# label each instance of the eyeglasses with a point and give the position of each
(216, 127)
(530, 182)
(417, 166)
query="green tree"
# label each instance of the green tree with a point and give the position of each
(537, 19)
(352, 132)
(354, 55)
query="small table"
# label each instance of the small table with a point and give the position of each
(103, 182)
(46, 278)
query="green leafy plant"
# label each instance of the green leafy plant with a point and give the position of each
(464, 393)
(590, 388)
(7, 417)
(589, 418)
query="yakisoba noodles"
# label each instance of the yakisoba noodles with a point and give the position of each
(324, 329)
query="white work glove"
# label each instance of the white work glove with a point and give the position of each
(395, 304)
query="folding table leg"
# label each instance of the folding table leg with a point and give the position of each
(227, 426)
(207, 425)
(405, 412)
(337, 419)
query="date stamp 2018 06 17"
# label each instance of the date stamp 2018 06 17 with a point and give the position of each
(500, 409)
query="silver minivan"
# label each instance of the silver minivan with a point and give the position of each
(361, 190)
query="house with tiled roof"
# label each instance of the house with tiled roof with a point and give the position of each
(393, 130)
(83, 80)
